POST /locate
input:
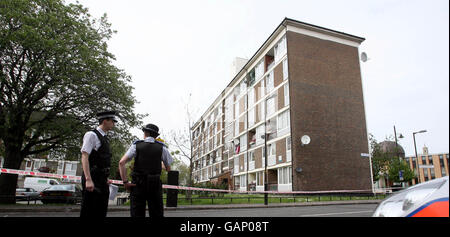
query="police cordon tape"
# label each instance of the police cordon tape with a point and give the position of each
(73, 177)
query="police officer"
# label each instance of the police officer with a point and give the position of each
(96, 162)
(146, 187)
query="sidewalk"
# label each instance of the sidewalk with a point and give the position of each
(113, 207)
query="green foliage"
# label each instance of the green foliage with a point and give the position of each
(380, 159)
(181, 167)
(397, 165)
(55, 74)
(210, 185)
(388, 163)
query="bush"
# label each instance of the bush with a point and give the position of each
(209, 185)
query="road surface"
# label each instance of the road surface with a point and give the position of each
(356, 210)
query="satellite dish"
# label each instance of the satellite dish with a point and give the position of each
(364, 57)
(305, 140)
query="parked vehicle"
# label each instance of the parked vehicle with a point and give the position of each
(64, 193)
(26, 194)
(39, 184)
(429, 199)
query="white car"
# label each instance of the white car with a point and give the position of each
(39, 184)
(429, 199)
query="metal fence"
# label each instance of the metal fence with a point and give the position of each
(255, 198)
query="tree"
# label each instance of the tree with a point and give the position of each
(181, 142)
(183, 169)
(380, 159)
(55, 74)
(395, 167)
(388, 163)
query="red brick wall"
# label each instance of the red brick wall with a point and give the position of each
(327, 104)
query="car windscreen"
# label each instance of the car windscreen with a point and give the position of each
(61, 187)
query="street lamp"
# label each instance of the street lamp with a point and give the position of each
(415, 149)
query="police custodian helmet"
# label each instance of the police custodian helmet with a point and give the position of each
(151, 128)
(107, 115)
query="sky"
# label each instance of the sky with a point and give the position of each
(180, 53)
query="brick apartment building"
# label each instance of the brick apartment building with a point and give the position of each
(304, 80)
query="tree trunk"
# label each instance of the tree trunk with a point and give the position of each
(189, 192)
(8, 182)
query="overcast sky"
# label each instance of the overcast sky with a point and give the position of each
(175, 48)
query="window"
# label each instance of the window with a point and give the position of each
(229, 109)
(262, 91)
(269, 82)
(259, 178)
(245, 162)
(36, 164)
(251, 97)
(286, 94)
(288, 149)
(251, 117)
(442, 165)
(288, 144)
(271, 158)
(280, 49)
(446, 156)
(259, 70)
(236, 165)
(283, 123)
(228, 131)
(251, 154)
(28, 165)
(284, 175)
(251, 78)
(243, 180)
(271, 128)
(242, 87)
(285, 69)
(272, 149)
(271, 105)
(262, 111)
(252, 138)
(243, 142)
(260, 134)
(430, 161)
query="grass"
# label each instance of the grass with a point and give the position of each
(259, 199)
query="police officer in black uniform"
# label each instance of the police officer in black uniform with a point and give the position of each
(146, 187)
(96, 162)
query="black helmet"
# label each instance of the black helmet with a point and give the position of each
(107, 115)
(151, 128)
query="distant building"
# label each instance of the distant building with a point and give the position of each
(430, 166)
(304, 80)
(394, 150)
(55, 166)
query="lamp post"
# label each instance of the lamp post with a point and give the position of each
(415, 149)
(396, 143)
